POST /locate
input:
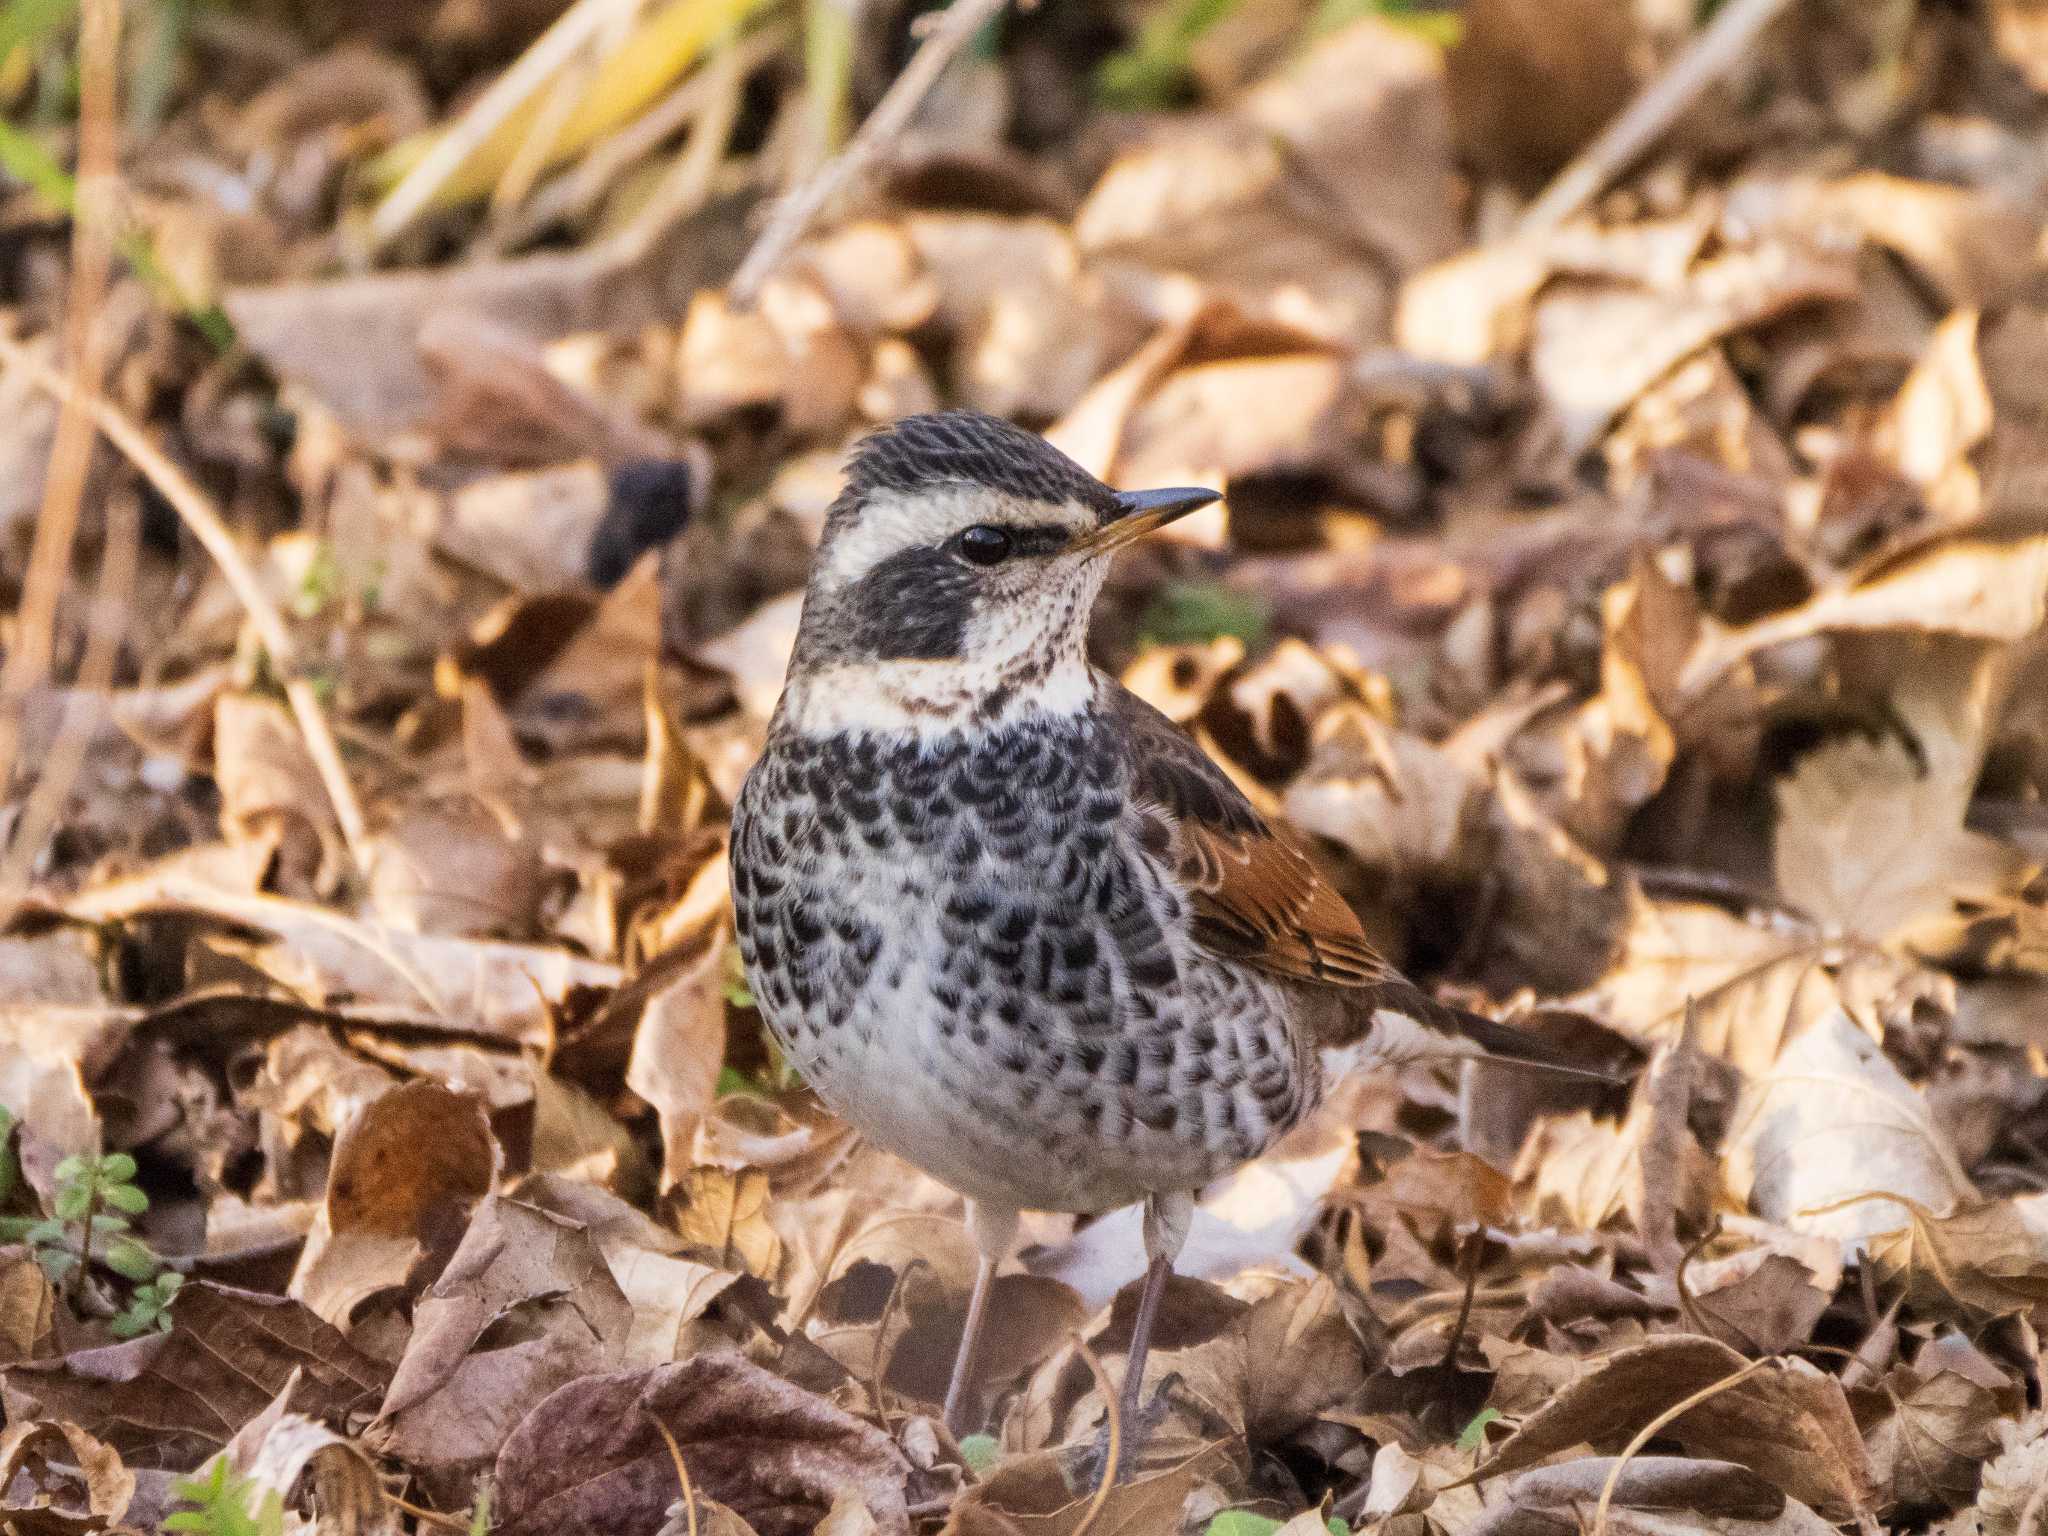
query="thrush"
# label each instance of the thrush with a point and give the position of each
(1004, 916)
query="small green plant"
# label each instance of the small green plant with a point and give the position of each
(737, 992)
(1242, 1522)
(23, 157)
(1194, 612)
(1153, 71)
(220, 1506)
(981, 1453)
(89, 1219)
(149, 1308)
(1473, 1437)
(319, 583)
(10, 1160)
(1438, 24)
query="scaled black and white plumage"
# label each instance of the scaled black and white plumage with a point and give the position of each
(1004, 916)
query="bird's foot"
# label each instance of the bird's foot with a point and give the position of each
(1135, 1426)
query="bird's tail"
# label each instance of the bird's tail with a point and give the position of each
(1395, 1024)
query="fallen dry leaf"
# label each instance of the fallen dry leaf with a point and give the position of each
(165, 1400)
(1930, 1425)
(1788, 1423)
(81, 1487)
(406, 1170)
(525, 1305)
(722, 1213)
(678, 1050)
(1830, 1123)
(588, 1457)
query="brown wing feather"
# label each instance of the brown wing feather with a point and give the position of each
(1257, 897)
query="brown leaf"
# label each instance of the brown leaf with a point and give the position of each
(588, 1459)
(1831, 1122)
(1842, 850)
(1115, 430)
(452, 868)
(1931, 1425)
(755, 654)
(172, 1399)
(1207, 196)
(278, 1448)
(1033, 1500)
(1708, 1496)
(872, 273)
(1531, 81)
(1402, 806)
(270, 790)
(496, 399)
(1031, 325)
(1987, 579)
(1596, 348)
(364, 971)
(848, 1516)
(1585, 1172)
(1758, 1301)
(1750, 987)
(723, 1213)
(525, 1305)
(1986, 1258)
(1788, 1422)
(1365, 117)
(27, 1309)
(352, 341)
(791, 352)
(75, 1483)
(678, 1051)
(406, 1170)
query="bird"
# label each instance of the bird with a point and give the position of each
(1006, 918)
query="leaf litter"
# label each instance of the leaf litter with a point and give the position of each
(1638, 597)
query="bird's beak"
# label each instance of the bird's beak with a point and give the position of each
(1139, 512)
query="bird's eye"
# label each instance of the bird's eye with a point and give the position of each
(983, 545)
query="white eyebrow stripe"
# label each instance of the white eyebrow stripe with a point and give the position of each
(890, 522)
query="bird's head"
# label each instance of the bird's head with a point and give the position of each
(957, 571)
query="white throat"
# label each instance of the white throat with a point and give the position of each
(931, 698)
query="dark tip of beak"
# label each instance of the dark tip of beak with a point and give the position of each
(1166, 505)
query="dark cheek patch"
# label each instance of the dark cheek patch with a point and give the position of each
(913, 606)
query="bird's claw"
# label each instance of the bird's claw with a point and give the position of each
(1084, 1467)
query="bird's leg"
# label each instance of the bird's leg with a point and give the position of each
(1166, 1229)
(993, 1228)
(1156, 1274)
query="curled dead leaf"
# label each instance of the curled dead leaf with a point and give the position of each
(589, 1459)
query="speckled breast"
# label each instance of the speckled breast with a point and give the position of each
(958, 941)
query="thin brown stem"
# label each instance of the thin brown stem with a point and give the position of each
(1644, 1435)
(199, 515)
(682, 1471)
(85, 341)
(798, 211)
(1113, 1453)
(1468, 1260)
(1726, 40)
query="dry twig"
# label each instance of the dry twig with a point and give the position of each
(1113, 1452)
(574, 30)
(682, 1470)
(795, 214)
(1649, 1431)
(197, 510)
(1661, 103)
(85, 345)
